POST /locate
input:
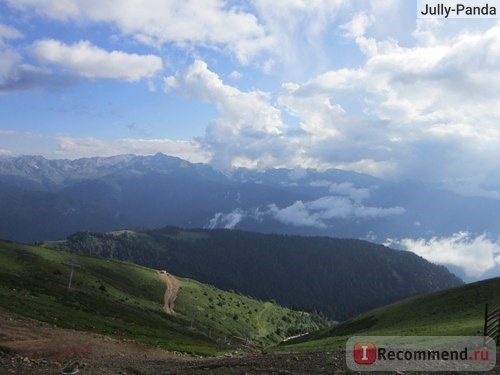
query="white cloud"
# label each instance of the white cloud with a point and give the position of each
(226, 221)
(347, 188)
(9, 62)
(343, 188)
(87, 60)
(316, 213)
(475, 255)
(299, 30)
(16, 74)
(249, 129)
(210, 23)
(235, 75)
(9, 58)
(8, 32)
(296, 214)
(358, 25)
(67, 147)
(427, 111)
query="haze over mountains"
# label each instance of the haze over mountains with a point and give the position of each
(50, 199)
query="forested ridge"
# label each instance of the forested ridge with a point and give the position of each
(338, 277)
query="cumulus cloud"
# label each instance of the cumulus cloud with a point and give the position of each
(17, 75)
(428, 110)
(251, 132)
(250, 128)
(475, 255)
(85, 59)
(212, 23)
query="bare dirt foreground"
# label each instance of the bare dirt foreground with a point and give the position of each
(31, 347)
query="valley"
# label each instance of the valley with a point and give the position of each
(117, 315)
(248, 187)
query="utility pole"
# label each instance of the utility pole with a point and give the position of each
(194, 311)
(72, 264)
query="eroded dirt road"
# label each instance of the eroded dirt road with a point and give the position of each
(173, 286)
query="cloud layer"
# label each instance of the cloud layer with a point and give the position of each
(67, 147)
(346, 204)
(475, 255)
(316, 213)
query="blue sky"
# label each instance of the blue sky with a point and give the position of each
(352, 84)
(359, 85)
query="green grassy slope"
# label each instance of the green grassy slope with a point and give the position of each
(226, 315)
(457, 311)
(124, 300)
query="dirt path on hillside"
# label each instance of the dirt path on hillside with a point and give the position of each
(173, 287)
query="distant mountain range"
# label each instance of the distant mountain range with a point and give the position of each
(338, 277)
(44, 199)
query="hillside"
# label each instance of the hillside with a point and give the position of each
(124, 300)
(339, 277)
(452, 312)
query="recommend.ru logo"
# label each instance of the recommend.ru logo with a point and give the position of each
(420, 353)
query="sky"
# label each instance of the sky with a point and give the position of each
(351, 84)
(359, 85)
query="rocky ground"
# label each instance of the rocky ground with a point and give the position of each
(31, 347)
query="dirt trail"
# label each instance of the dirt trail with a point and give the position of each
(173, 287)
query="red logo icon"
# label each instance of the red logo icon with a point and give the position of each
(365, 353)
